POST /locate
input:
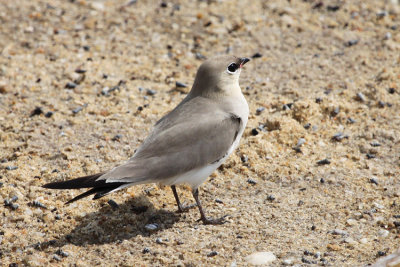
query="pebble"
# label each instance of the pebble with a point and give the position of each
(307, 126)
(375, 144)
(351, 222)
(71, 85)
(339, 232)
(370, 156)
(80, 71)
(387, 36)
(383, 233)
(49, 114)
(146, 250)
(351, 120)
(151, 227)
(287, 262)
(351, 42)
(62, 253)
(364, 240)
(38, 204)
(258, 258)
(151, 92)
(37, 111)
(117, 137)
(259, 110)
(159, 240)
(360, 97)
(11, 168)
(212, 254)
(251, 181)
(56, 257)
(180, 85)
(324, 162)
(391, 90)
(373, 181)
(339, 136)
(254, 132)
(256, 55)
(114, 205)
(271, 198)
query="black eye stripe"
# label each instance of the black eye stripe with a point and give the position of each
(232, 67)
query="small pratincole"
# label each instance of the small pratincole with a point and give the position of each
(187, 144)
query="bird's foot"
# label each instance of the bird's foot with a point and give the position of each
(213, 221)
(185, 208)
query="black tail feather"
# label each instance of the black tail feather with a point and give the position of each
(100, 188)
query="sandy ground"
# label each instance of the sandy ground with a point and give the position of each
(82, 83)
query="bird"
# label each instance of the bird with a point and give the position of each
(186, 145)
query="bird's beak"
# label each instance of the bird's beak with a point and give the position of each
(243, 60)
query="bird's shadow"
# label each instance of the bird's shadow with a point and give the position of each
(109, 225)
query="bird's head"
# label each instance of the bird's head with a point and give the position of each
(218, 75)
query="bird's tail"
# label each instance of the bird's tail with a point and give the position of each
(98, 187)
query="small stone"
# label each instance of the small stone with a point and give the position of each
(351, 42)
(375, 144)
(212, 254)
(387, 36)
(159, 240)
(37, 111)
(360, 97)
(62, 253)
(256, 55)
(308, 253)
(151, 92)
(350, 241)
(381, 254)
(56, 257)
(259, 258)
(300, 142)
(333, 8)
(38, 204)
(307, 126)
(364, 240)
(391, 90)
(251, 181)
(11, 168)
(259, 110)
(339, 232)
(271, 198)
(254, 132)
(373, 181)
(14, 206)
(383, 233)
(180, 85)
(323, 162)
(351, 120)
(370, 156)
(49, 114)
(146, 250)
(151, 227)
(318, 100)
(117, 137)
(71, 85)
(80, 71)
(339, 136)
(287, 262)
(351, 222)
(114, 205)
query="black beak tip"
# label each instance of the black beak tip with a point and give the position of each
(244, 60)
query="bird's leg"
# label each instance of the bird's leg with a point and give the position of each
(181, 208)
(203, 217)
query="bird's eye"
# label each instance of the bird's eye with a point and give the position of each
(232, 67)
